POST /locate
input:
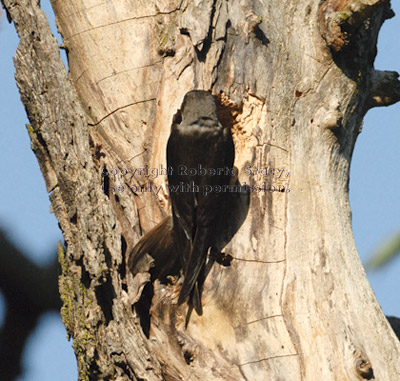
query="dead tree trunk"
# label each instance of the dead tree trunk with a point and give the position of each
(295, 79)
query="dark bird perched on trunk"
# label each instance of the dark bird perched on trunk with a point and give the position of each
(204, 217)
(201, 153)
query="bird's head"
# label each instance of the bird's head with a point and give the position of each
(197, 104)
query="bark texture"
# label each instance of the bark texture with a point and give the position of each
(294, 80)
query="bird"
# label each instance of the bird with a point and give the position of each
(200, 154)
(202, 222)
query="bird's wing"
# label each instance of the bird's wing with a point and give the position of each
(220, 154)
(159, 242)
(183, 203)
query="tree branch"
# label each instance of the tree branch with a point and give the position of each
(340, 19)
(385, 89)
(30, 291)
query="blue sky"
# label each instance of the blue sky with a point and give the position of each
(25, 217)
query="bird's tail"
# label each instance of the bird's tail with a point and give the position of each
(194, 274)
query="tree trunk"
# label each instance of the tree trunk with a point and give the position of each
(294, 79)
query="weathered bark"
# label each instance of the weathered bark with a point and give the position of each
(294, 78)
